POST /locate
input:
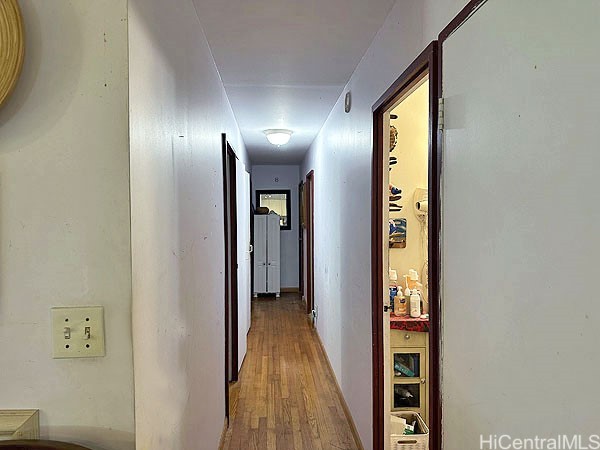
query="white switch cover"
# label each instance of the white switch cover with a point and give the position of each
(78, 332)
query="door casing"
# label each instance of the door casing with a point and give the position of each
(426, 63)
(309, 217)
(231, 273)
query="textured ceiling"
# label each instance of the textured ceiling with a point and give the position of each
(284, 63)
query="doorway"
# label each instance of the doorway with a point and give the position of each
(406, 376)
(301, 221)
(231, 265)
(309, 197)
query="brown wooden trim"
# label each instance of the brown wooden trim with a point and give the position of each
(223, 433)
(226, 271)
(425, 63)
(290, 290)
(460, 18)
(301, 238)
(377, 281)
(435, 258)
(251, 237)
(310, 241)
(347, 413)
(409, 78)
(233, 264)
(231, 278)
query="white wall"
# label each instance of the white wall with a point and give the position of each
(341, 157)
(178, 111)
(520, 223)
(64, 220)
(263, 177)
(409, 174)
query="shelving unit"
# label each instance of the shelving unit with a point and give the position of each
(410, 371)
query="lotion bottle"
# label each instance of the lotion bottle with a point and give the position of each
(407, 290)
(415, 304)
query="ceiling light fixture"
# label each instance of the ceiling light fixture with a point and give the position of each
(278, 137)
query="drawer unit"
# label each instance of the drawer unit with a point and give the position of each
(408, 339)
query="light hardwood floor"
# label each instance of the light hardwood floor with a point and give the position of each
(286, 397)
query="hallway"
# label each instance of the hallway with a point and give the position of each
(288, 397)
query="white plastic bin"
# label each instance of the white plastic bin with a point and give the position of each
(417, 441)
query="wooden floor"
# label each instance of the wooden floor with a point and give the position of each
(286, 397)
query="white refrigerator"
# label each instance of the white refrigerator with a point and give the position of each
(267, 255)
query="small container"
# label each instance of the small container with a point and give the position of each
(417, 441)
(415, 304)
(400, 306)
(412, 279)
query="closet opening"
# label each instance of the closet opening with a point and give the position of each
(308, 201)
(405, 260)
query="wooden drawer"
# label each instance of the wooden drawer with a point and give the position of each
(400, 338)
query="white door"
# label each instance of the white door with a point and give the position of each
(273, 254)
(260, 254)
(243, 252)
(521, 213)
(248, 271)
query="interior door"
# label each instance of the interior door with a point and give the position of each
(309, 194)
(273, 254)
(520, 220)
(243, 254)
(260, 254)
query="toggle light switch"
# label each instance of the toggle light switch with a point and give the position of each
(78, 332)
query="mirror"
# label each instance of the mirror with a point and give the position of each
(278, 201)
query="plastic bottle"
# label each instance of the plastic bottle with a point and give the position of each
(400, 306)
(415, 304)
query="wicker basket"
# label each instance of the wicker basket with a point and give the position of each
(417, 441)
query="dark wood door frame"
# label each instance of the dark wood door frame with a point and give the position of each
(231, 265)
(309, 217)
(251, 237)
(301, 220)
(426, 63)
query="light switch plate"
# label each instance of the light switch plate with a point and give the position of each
(78, 332)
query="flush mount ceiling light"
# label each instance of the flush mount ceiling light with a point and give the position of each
(278, 137)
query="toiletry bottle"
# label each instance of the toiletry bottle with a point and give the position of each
(407, 299)
(413, 278)
(400, 305)
(415, 304)
(424, 301)
(393, 296)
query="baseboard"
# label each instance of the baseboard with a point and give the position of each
(341, 397)
(223, 434)
(290, 290)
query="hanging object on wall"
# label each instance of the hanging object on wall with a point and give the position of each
(12, 47)
(397, 233)
(393, 138)
(348, 102)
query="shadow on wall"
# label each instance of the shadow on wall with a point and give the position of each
(178, 332)
(49, 80)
